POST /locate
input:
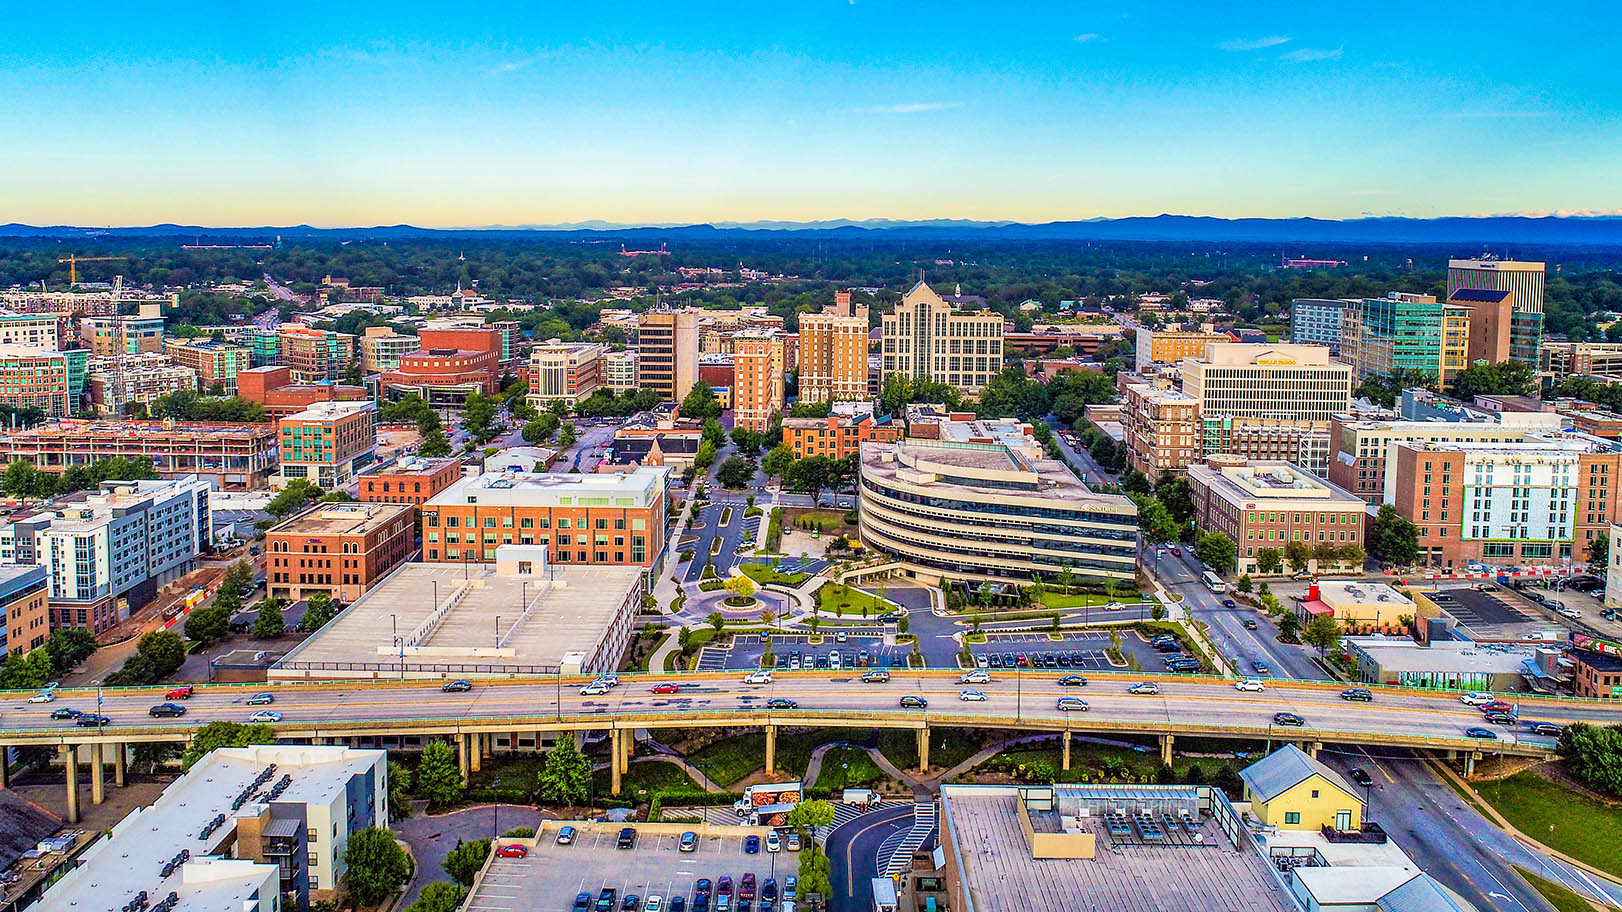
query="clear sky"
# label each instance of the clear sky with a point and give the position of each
(466, 114)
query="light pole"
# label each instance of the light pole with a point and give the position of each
(497, 643)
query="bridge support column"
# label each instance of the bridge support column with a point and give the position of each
(475, 753)
(512, 742)
(614, 760)
(98, 775)
(1067, 751)
(5, 767)
(771, 749)
(629, 742)
(923, 749)
(1312, 748)
(120, 764)
(1470, 763)
(461, 757)
(1166, 742)
(70, 759)
(487, 744)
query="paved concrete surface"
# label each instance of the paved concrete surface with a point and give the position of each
(433, 838)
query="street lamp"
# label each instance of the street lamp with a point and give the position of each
(497, 643)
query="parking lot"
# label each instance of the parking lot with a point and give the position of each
(553, 875)
(746, 651)
(1074, 650)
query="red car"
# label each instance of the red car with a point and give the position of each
(179, 693)
(1496, 706)
(1022, 660)
(512, 851)
(666, 688)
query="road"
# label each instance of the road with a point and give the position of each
(1092, 472)
(1029, 699)
(1455, 844)
(853, 855)
(1225, 626)
(731, 536)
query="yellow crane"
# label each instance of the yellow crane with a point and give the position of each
(74, 261)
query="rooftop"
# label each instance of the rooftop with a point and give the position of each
(1396, 654)
(114, 428)
(333, 410)
(640, 487)
(1286, 768)
(1270, 480)
(342, 519)
(1359, 592)
(992, 470)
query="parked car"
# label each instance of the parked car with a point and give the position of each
(791, 886)
(457, 687)
(723, 886)
(512, 851)
(1072, 704)
(774, 843)
(566, 836)
(627, 838)
(582, 903)
(746, 885)
(689, 842)
(1073, 681)
(768, 890)
(751, 845)
(605, 899)
(914, 701)
(1362, 694)
(980, 661)
(1287, 718)
(793, 841)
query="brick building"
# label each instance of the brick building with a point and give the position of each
(832, 352)
(837, 436)
(337, 548)
(563, 372)
(1262, 505)
(273, 388)
(409, 481)
(327, 443)
(444, 377)
(25, 595)
(213, 362)
(229, 456)
(757, 390)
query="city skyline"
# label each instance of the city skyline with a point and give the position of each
(379, 114)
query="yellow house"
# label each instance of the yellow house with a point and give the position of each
(1292, 791)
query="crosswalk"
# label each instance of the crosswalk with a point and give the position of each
(900, 859)
(843, 814)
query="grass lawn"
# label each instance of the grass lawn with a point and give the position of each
(734, 758)
(826, 520)
(646, 776)
(1560, 818)
(514, 770)
(947, 747)
(764, 575)
(699, 636)
(838, 598)
(1060, 600)
(1561, 897)
(1101, 762)
(848, 767)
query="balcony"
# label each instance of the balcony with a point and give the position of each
(1371, 834)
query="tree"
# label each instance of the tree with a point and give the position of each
(210, 623)
(748, 442)
(68, 647)
(1353, 556)
(717, 620)
(1288, 626)
(439, 896)
(269, 623)
(238, 578)
(567, 436)
(540, 428)
(1507, 378)
(1217, 551)
(224, 734)
(740, 586)
(1134, 482)
(1157, 610)
(736, 472)
(464, 861)
(810, 814)
(317, 613)
(814, 872)
(565, 778)
(700, 403)
(1325, 553)
(438, 778)
(292, 498)
(1392, 539)
(1298, 554)
(377, 866)
(435, 445)
(25, 671)
(1599, 553)
(1173, 491)
(479, 417)
(778, 461)
(1155, 521)
(1322, 631)
(399, 790)
(1594, 754)
(520, 832)
(810, 474)
(1245, 584)
(1269, 560)
(163, 651)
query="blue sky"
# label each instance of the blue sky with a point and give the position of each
(507, 113)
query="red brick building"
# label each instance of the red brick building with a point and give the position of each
(411, 481)
(837, 436)
(338, 548)
(444, 376)
(273, 388)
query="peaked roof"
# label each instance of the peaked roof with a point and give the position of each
(1286, 768)
(1419, 894)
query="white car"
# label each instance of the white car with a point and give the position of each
(834, 661)
(1572, 613)
(654, 903)
(1249, 685)
(978, 676)
(610, 681)
(1115, 606)
(594, 689)
(759, 677)
(972, 696)
(265, 715)
(45, 697)
(1476, 698)
(773, 843)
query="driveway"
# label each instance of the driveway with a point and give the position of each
(731, 536)
(853, 852)
(433, 838)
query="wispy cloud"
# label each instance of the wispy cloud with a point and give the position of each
(913, 108)
(1254, 44)
(1561, 213)
(1308, 55)
(1085, 37)
(1495, 115)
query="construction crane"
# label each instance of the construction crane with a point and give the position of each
(74, 261)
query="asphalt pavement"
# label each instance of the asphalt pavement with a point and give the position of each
(853, 852)
(1180, 573)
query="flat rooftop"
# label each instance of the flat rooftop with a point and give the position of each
(1402, 654)
(538, 618)
(1000, 874)
(1270, 480)
(555, 489)
(991, 469)
(1359, 592)
(342, 519)
(110, 429)
(330, 410)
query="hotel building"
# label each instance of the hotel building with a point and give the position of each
(832, 352)
(667, 352)
(327, 443)
(338, 548)
(563, 372)
(757, 388)
(1262, 505)
(928, 338)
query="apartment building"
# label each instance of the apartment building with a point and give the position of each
(381, 349)
(757, 389)
(42, 331)
(229, 456)
(341, 549)
(52, 382)
(1263, 505)
(1362, 448)
(327, 444)
(1304, 443)
(618, 371)
(1537, 501)
(832, 352)
(1169, 346)
(119, 381)
(667, 352)
(1317, 321)
(928, 421)
(985, 512)
(315, 355)
(25, 621)
(409, 481)
(927, 337)
(564, 372)
(122, 335)
(837, 436)
(614, 519)
(212, 362)
(1161, 428)
(1523, 280)
(111, 552)
(470, 332)
(1581, 359)
(273, 388)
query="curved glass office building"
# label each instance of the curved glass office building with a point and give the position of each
(976, 511)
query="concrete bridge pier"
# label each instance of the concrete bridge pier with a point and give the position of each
(630, 748)
(1166, 742)
(1470, 762)
(5, 767)
(487, 743)
(614, 759)
(461, 757)
(70, 760)
(771, 749)
(1312, 748)
(923, 749)
(475, 753)
(120, 764)
(98, 775)
(1066, 740)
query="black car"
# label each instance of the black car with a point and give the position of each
(781, 703)
(911, 700)
(1250, 624)
(994, 660)
(1288, 719)
(1064, 660)
(1501, 718)
(457, 687)
(1362, 694)
(66, 713)
(768, 891)
(167, 709)
(677, 904)
(582, 903)
(1072, 681)
(702, 887)
(1361, 776)
(631, 903)
(90, 720)
(627, 838)
(605, 899)
(1544, 728)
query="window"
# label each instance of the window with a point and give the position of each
(1292, 817)
(1314, 793)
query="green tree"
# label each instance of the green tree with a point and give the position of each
(317, 612)
(292, 498)
(1157, 610)
(1174, 492)
(269, 623)
(1353, 556)
(25, 671)
(399, 790)
(700, 403)
(735, 473)
(69, 646)
(439, 896)
(464, 861)
(1289, 625)
(1245, 584)
(540, 428)
(717, 620)
(778, 461)
(814, 872)
(438, 778)
(211, 622)
(565, 778)
(163, 651)
(1269, 560)
(224, 734)
(1322, 631)
(567, 436)
(811, 474)
(1326, 554)
(1217, 551)
(1297, 554)
(479, 417)
(741, 586)
(1593, 753)
(521, 832)
(810, 814)
(435, 445)
(1156, 522)
(1393, 539)
(1599, 553)
(377, 866)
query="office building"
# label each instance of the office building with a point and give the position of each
(583, 519)
(832, 352)
(381, 349)
(564, 372)
(618, 370)
(409, 481)
(443, 377)
(122, 335)
(927, 421)
(273, 388)
(1523, 280)
(327, 443)
(1400, 331)
(213, 362)
(1537, 501)
(25, 620)
(52, 382)
(973, 511)
(341, 549)
(1317, 321)
(110, 552)
(1169, 346)
(288, 811)
(119, 381)
(837, 436)
(516, 614)
(312, 355)
(1268, 505)
(1581, 359)
(757, 389)
(1439, 665)
(667, 352)
(230, 457)
(29, 330)
(926, 337)
(1160, 428)
(1497, 331)
(1283, 382)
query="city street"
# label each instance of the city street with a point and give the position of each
(1225, 626)
(707, 527)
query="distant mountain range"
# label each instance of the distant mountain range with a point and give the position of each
(1547, 231)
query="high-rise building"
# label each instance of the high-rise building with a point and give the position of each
(313, 355)
(327, 443)
(381, 349)
(213, 362)
(667, 352)
(1362, 448)
(1317, 321)
(43, 331)
(118, 381)
(122, 335)
(618, 370)
(928, 338)
(1499, 332)
(1290, 382)
(1401, 331)
(832, 352)
(1456, 333)
(757, 388)
(564, 371)
(1161, 428)
(1523, 280)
